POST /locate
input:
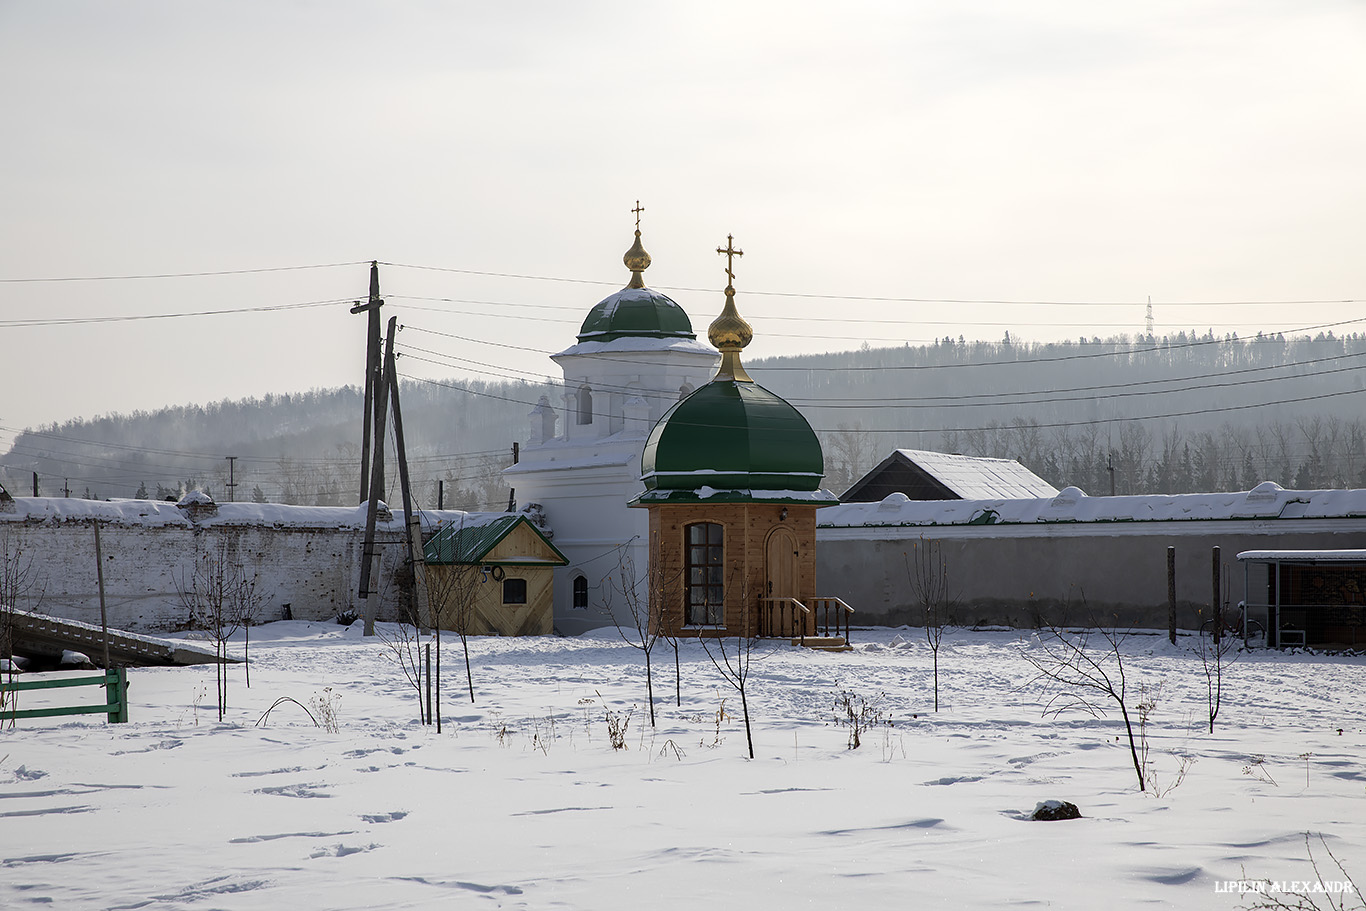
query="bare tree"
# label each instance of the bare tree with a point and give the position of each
(1081, 678)
(21, 583)
(1215, 653)
(929, 575)
(734, 662)
(220, 599)
(404, 643)
(453, 589)
(640, 617)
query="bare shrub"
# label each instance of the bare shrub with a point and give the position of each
(1079, 677)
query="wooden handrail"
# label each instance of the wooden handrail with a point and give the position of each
(803, 607)
(791, 602)
(829, 603)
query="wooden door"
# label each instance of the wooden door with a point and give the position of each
(780, 563)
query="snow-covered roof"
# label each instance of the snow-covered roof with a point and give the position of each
(1303, 556)
(152, 513)
(967, 477)
(1265, 501)
(980, 477)
(636, 344)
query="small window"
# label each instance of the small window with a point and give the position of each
(514, 591)
(585, 405)
(580, 593)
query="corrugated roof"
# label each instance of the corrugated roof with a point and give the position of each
(981, 478)
(470, 541)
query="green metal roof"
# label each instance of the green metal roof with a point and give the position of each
(732, 436)
(635, 313)
(460, 543)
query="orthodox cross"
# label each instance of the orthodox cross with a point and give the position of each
(730, 253)
(638, 209)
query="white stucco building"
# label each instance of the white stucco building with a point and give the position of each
(636, 355)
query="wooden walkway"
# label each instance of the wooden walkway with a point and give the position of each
(38, 634)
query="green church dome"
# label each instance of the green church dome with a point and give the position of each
(635, 313)
(731, 434)
(732, 440)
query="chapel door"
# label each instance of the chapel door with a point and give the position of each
(780, 561)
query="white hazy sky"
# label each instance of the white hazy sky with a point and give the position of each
(1056, 150)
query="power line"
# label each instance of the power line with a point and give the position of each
(878, 299)
(116, 278)
(79, 320)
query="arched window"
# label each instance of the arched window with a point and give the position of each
(585, 405)
(705, 587)
(580, 593)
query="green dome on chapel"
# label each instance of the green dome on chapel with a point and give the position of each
(732, 441)
(731, 436)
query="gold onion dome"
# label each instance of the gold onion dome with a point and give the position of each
(729, 332)
(637, 260)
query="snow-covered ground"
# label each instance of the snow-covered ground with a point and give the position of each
(521, 801)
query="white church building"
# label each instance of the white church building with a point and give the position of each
(636, 355)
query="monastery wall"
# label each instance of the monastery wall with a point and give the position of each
(304, 557)
(1032, 575)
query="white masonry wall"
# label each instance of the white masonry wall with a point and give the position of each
(305, 557)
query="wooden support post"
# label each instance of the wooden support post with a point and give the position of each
(99, 581)
(116, 692)
(373, 403)
(429, 683)
(368, 551)
(411, 521)
(1171, 594)
(1218, 611)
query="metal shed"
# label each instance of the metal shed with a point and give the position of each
(1307, 597)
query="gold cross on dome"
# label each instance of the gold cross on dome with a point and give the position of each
(638, 209)
(730, 253)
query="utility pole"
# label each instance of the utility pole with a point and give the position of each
(1111, 468)
(372, 506)
(412, 523)
(35, 483)
(374, 404)
(516, 455)
(232, 483)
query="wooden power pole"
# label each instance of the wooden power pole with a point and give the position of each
(412, 523)
(374, 404)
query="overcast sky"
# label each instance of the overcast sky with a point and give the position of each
(1080, 152)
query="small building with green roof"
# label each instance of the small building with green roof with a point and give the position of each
(732, 483)
(492, 574)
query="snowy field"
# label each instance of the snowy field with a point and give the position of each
(522, 802)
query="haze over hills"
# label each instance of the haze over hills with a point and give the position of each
(1177, 414)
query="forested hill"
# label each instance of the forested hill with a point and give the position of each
(1170, 415)
(1176, 414)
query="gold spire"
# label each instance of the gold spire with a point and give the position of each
(729, 332)
(636, 259)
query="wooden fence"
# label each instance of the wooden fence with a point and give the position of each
(114, 681)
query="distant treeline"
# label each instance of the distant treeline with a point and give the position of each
(1176, 414)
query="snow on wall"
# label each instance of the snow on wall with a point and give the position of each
(301, 556)
(1267, 500)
